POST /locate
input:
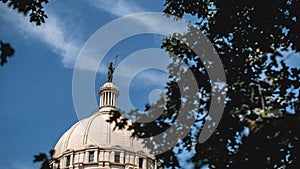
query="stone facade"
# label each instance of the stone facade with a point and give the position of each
(100, 158)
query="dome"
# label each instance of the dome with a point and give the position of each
(93, 143)
(95, 131)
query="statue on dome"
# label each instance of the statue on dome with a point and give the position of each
(110, 73)
(111, 69)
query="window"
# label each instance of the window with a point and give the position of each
(117, 157)
(68, 160)
(141, 162)
(58, 164)
(91, 156)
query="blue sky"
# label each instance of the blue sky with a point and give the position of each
(36, 104)
(36, 84)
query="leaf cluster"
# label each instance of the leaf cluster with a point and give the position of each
(6, 52)
(37, 15)
(44, 159)
(35, 9)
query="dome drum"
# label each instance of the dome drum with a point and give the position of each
(99, 158)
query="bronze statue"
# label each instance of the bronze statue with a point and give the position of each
(110, 72)
(111, 69)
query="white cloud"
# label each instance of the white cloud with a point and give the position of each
(53, 33)
(121, 8)
(117, 7)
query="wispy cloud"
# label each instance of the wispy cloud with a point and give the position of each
(117, 7)
(53, 33)
(121, 8)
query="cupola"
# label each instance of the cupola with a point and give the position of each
(108, 94)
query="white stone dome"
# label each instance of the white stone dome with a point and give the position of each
(93, 143)
(95, 131)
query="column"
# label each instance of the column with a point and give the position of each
(71, 159)
(122, 157)
(96, 156)
(113, 100)
(101, 100)
(61, 163)
(127, 158)
(144, 163)
(104, 95)
(132, 160)
(101, 155)
(86, 157)
(106, 156)
(81, 157)
(136, 161)
(75, 158)
(112, 157)
(105, 98)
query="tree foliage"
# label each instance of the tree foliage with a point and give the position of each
(43, 159)
(260, 123)
(37, 15)
(6, 51)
